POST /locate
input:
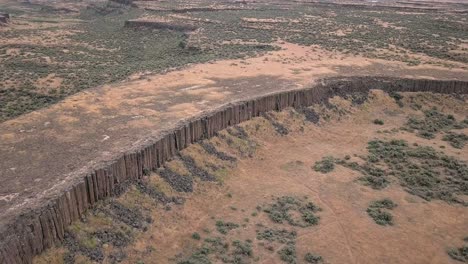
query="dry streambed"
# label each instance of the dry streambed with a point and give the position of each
(370, 178)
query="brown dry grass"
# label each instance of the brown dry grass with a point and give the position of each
(282, 166)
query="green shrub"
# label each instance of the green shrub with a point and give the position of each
(433, 122)
(282, 211)
(378, 121)
(196, 236)
(397, 96)
(280, 235)
(380, 217)
(312, 258)
(456, 140)
(326, 165)
(422, 171)
(377, 210)
(383, 204)
(288, 254)
(225, 227)
(460, 254)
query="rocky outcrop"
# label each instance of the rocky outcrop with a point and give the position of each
(32, 232)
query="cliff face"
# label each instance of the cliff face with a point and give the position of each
(31, 232)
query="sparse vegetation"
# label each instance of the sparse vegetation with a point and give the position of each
(288, 254)
(280, 235)
(460, 254)
(433, 122)
(209, 148)
(456, 140)
(383, 204)
(225, 227)
(397, 96)
(180, 183)
(283, 208)
(238, 139)
(380, 217)
(196, 236)
(378, 210)
(423, 171)
(221, 250)
(110, 223)
(99, 50)
(326, 165)
(312, 258)
(242, 249)
(279, 127)
(378, 121)
(240, 252)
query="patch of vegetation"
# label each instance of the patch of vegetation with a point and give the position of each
(130, 216)
(195, 170)
(326, 165)
(423, 171)
(225, 227)
(285, 209)
(383, 204)
(397, 97)
(88, 248)
(100, 51)
(157, 195)
(378, 122)
(433, 122)
(88, 237)
(279, 128)
(460, 254)
(312, 258)
(310, 115)
(357, 98)
(196, 236)
(238, 139)
(238, 252)
(200, 256)
(380, 217)
(456, 140)
(117, 238)
(378, 211)
(280, 235)
(210, 149)
(241, 252)
(288, 254)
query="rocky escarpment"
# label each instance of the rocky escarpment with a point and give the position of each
(30, 232)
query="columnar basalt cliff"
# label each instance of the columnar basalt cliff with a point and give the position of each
(31, 232)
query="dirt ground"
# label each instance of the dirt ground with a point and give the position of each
(268, 163)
